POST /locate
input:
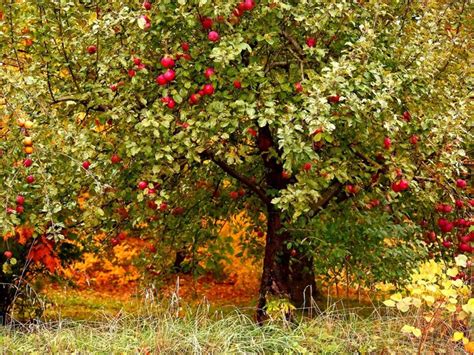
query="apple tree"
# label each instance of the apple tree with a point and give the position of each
(336, 126)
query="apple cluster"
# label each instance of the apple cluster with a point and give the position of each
(451, 231)
(25, 128)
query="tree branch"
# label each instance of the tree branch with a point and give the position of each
(232, 172)
(294, 43)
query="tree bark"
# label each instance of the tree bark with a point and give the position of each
(6, 300)
(283, 275)
(178, 261)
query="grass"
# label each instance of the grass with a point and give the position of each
(173, 328)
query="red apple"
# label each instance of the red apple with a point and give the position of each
(177, 211)
(311, 42)
(465, 248)
(131, 73)
(307, 166)
(137, 61)
(248, 5)
(431, 236)
(237, 84)
(401, 185)
(113, 87)
(206, 22)
(19, 209)
(161, 80)
(234, 195)
(114, 242)
(142, 185)
(146, 5)
(447, 244)
(8, 254)
(209, 72)
(387, 143)
(462, 184)
(334, 99)
(445, 226)
(30, 179)
(252, 131)
(406, 116)
(20, 200)
(169, 75)
(152, 205)
(115, 159)
(163, 206)
(293, 253)
(237, 12)
(208, 89)
(298, 87)
(414, 139)
(86, 164)
(185, 46)
(194, 99)
(213, 36)
(91, 49)
(167, 62)
(27, 162)
(459, 204)
(285, 175)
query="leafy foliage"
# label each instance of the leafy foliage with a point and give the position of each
(358, 104)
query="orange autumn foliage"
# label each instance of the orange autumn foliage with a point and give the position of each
(42, 251)
(114, 269)
(111, 269)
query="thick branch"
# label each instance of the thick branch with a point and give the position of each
(246, 181)
(294, 43)
(332, 191)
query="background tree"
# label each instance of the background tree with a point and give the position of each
(172, 115)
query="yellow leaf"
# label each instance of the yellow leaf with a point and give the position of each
(403, 307)
(458, 336)
(452, 271)
(410, 329)
(469, 307)
(461, 260)
(407, 328)
(416, 302)
(450, 308)
(389, 303)
(416, 332)
(449, 292)
(429, 300)
(458, 283)
(396, 297)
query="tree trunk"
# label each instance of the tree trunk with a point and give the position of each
(6, 300)
(178, 261)
(283, 275)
